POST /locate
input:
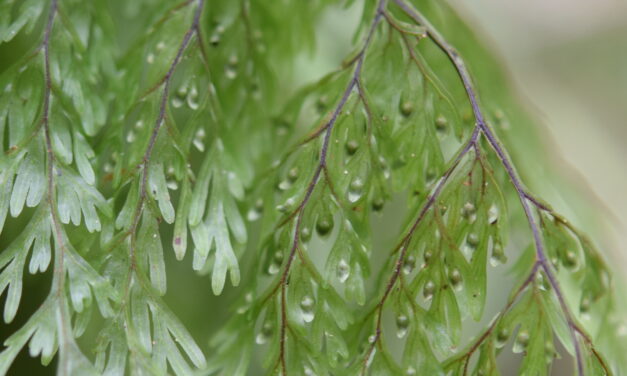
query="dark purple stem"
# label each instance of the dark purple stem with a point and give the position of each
(65, 334)
(162, 110)
(328, 129)
(194, 28)
(504, 159)
(431, 199)
(60, 275)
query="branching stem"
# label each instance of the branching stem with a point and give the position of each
(143, 192)
(404, 245)
(328, 129)
(65, 332)
(144, 165)
(524, 197)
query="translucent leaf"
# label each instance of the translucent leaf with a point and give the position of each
(125, 217)
(28, 13)
(8, 168)
(419, 356)
(83, 153)
(159, 191)
(179, 241)
(40, 258)
(180, 335)
(141, 319)
(29, 185)
(149, 242)
(225, 257)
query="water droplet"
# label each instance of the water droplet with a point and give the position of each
(160, 46)
(542, 283)
(181, 92)
(230, 70)
(264, 334)
(324, 224)
(307, 308)
(199, 144)
(409, 264)
(292, 174)
(411, 371)
(198, 139)
(570, 260)
(308, 371)
(284, 185)
(322, 103)
(273, 269)
(455, 277)
(468, 211)
(497, 257)
(255, 212)
(282, 127)
(441, 123)
(139, 124)
(584, 306)
(343, 271)
(372, 338)
(172, 185)
(150, 58)
(493, 214)
(384, 167)
(521, 342)
(283, 208)
(407, 108)
(248, 299)
(472, 240)
(177, 102)
(214, 40)
(130, 136)
(549, 351)
(402, 325)
(233, 60)
(377, 204)
(351, 147)
(192, 99)
(305, 234)
(275, 265)
(355, 190)
(428, 290)
(501, 337)
(427, 256)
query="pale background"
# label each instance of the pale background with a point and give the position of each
(569, 60)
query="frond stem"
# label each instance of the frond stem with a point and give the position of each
(463, 73)
(328, 128)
